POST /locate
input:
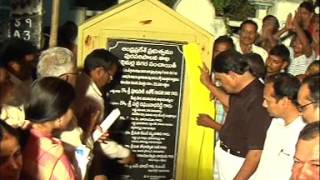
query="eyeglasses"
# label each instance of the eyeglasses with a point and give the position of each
(302, 107)
(110, 75)
(66, 75)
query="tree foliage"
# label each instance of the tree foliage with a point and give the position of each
(234, 9)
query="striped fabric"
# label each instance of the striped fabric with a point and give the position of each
(299, 64)
(220, 115)
(220, 112)
(44, 159)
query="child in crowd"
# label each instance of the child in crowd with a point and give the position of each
(266, 39)
(301, 53)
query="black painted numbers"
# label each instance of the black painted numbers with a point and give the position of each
(26, 20)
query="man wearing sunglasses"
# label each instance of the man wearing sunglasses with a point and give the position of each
(309, 98)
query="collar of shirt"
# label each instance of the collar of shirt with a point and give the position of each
(247, 90)
(93, 85)
(297, 122)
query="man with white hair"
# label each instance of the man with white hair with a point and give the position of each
(58, 62)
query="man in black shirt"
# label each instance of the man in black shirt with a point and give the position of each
(243, 133)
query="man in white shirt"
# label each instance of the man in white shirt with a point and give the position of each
(278, 60)
(247, 37)
(100, 67)
(280, 97)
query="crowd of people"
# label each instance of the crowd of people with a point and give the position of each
(266, 96)
(267, 99)
(56, 113)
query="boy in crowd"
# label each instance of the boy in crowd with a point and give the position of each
(278, 60)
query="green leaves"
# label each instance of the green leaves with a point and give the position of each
(234, 9)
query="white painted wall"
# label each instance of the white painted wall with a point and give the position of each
(282, 8)
(200, 12)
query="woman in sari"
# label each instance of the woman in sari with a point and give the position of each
(49, 111)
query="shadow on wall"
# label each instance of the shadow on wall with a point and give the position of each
(96, 4)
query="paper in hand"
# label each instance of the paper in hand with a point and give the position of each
(106, 123)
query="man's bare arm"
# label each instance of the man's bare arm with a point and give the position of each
(250, 165)
(206, 121)
(218, 93)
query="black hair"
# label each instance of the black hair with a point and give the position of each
(315, 63)
(100, 58)
(15, 49)
(67, 33)
(313, 83)
(230, 60)
(2, 63)
(50, 98)
(271, 17)
(282, 52)
(224, 39)
(285, 85)
(249, 22)
(257, 67)
(307, 5)
(310, 131)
